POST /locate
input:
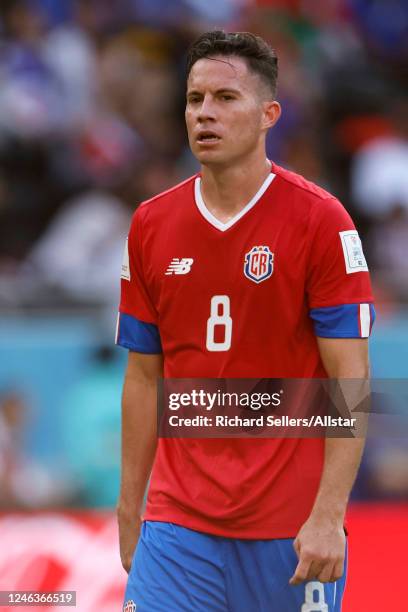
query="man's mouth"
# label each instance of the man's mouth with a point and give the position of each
(206, 136)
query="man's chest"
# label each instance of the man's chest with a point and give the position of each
(256, 263)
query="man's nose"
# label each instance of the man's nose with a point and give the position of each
(207, 109)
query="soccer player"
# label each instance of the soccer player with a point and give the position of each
(245, 270)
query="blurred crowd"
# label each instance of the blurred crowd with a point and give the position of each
(92, 122)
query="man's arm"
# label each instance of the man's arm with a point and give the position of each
(139, 437)
(320, 544)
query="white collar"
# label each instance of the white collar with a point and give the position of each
(216, 222)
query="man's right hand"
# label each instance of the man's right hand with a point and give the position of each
(129, 531)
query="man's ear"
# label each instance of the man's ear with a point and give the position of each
(271, 114)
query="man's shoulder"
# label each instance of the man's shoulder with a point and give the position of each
(310, 202)
(297, 182)
(177, 193)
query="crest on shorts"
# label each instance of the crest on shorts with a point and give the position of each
(258, 264)
(129, 606)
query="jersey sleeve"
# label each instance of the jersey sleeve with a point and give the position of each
(338, 282)
(136, 328)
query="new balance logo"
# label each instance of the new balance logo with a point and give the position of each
(180, 266)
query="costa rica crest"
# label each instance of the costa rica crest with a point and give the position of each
(258, 264)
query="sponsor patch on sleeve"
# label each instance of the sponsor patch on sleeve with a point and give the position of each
(125, 273)
(353, 252)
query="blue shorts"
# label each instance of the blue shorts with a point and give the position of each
(176, 569)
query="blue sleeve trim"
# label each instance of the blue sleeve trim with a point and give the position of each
(137, 335)
(344, 321)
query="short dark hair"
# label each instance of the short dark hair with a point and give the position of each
(260, 57)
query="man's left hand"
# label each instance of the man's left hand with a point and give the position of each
(320, 546)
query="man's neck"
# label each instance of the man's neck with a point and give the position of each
(227, 190)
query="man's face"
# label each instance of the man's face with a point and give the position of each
(224, 111)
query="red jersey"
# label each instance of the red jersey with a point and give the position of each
(242, 299)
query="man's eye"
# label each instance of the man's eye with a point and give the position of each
(227, 97)
(193, 100)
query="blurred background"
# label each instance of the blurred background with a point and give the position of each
(91, 123)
